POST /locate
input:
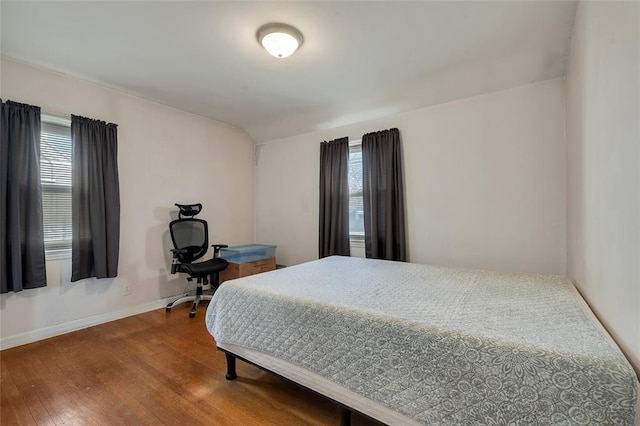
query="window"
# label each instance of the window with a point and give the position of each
(356, 209)
(55, 175)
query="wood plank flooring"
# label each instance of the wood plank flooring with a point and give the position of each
(155, 368)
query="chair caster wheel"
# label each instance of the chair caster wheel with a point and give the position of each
(192, 314)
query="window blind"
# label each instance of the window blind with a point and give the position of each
(55, 175)
(356, 208)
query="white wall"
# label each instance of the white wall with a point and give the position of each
(485, 182)
(165, 156)
(603, 205)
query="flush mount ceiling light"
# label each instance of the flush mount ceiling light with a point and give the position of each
(280, 40)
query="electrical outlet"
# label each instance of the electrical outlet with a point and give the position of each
(126, 289)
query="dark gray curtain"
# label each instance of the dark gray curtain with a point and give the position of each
(22, 261)
(334, 198)
(95, 198)
(383, 196)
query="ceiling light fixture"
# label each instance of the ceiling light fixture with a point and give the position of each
(280, 40)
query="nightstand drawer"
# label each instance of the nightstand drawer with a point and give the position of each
(239, 270)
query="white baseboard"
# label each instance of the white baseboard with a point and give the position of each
(67, 327)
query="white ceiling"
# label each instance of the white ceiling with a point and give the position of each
(359, 60)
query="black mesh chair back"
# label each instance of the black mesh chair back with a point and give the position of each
(191, 235)
(190, 239)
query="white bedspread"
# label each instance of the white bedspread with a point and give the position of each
(439, 345)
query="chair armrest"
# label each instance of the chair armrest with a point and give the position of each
(217, 247)
(175, 261)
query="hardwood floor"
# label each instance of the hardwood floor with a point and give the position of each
(154, 368)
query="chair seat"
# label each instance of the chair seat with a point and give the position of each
(205, 268)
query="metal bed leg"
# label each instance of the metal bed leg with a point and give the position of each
(345, 416)
(231, 367)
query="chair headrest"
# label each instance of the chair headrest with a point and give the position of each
(189, 210)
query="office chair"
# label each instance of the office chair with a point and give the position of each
(190, 238)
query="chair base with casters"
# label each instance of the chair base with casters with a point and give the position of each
(190, 239)
(195, 298)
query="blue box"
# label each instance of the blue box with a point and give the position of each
(248, 253)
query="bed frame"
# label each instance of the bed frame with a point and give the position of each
(344, 411)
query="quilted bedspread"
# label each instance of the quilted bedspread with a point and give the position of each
(440, 345)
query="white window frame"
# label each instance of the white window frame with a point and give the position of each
(356, 239)
(62, 248)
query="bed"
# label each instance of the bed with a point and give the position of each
(416, 344)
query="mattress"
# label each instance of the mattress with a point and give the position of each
(436, 345)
